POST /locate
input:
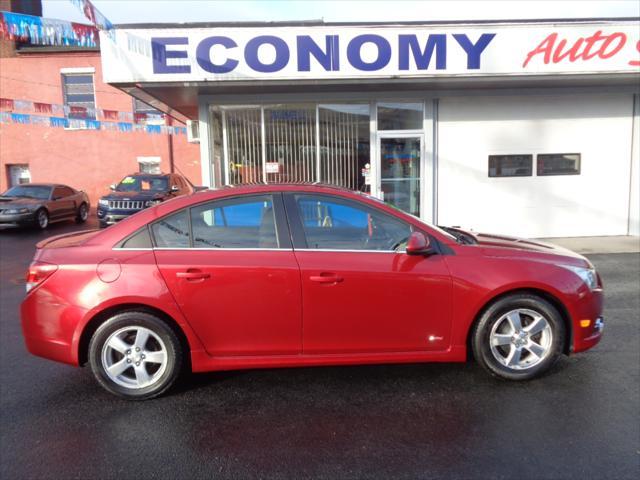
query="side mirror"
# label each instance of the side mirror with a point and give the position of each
(175, 188)
(418, 244)
(113, 186)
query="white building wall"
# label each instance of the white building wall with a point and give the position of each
(596, 202)
(634, 196)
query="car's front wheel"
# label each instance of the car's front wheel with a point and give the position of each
(135, 355)
(519, 337)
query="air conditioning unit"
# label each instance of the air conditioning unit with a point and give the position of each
(193, 131)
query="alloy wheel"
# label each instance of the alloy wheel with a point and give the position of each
(134, 357)
(43, 219)
(521, 339)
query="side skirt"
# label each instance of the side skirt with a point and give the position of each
(202, 362)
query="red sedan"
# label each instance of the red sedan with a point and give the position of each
(298, 275)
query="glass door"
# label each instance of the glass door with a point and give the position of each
(401, 170)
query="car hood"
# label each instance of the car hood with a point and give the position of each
(135, 196)
(19, 202)
(507, 246)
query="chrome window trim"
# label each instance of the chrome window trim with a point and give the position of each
(261, 249)
(346, 250)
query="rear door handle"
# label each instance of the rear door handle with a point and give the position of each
(326, 278)
(193, 275)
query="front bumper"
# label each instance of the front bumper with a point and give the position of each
(589, 307)
(17, 218)
(109, 217)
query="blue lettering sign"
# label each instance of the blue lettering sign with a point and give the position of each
(251, 54)
(473, 50)
(436, 42)
(160, 54)
(203, 55)
(354, 52)
(329, 57)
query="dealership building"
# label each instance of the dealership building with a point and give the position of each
(528, 128)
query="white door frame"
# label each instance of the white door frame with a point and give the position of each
(377, 172)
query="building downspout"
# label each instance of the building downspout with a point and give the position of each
(172, 168)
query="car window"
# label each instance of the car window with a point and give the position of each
(66, 191)
(246, 222)
(61, 192)
(172, 231)
(40, 192)
(338, 224)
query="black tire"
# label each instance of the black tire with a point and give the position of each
(123, 322)
(523, 303)
(42, 219)
(83, 213)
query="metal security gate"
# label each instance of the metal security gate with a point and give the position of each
(282, 143)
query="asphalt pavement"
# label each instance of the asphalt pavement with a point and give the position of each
(581, 420)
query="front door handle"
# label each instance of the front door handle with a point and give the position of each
(326, 278)
(193, 274)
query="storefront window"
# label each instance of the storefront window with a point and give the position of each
(290, 143)
(244, 144)
(344, 145)
(399, 116)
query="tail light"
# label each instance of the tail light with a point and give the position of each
(38, 272)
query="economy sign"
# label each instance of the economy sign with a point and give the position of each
(327, 52)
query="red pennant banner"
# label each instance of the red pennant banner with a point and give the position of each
(6, 103)
(42, 107)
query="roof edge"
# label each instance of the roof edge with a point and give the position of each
(322, 23)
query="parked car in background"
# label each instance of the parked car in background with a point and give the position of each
(297, 275)
(138, 191)
(39, 204)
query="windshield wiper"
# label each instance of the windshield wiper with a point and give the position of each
(460, 236)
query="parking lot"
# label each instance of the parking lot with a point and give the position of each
(414, 421)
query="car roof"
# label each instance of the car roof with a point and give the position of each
(41, 185)
(142, 174)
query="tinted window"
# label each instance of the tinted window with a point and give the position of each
(61, 192)
(337, 224)
(172, 231)
(247, 222)
(510, 165)
(141, 239)
(558, 164)
(400, 116)
(29, 191)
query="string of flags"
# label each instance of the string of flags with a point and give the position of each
(65, 116)
(45, 31)
(88, 124)
(79, 112)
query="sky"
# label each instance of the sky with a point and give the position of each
(175, 11)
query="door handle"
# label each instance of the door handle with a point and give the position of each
(193, 275)
(326, 278)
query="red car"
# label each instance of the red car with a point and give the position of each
(299, 275)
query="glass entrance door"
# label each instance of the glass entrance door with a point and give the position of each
(401, 171)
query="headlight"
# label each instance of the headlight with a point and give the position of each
(588, 275)
(151, 203)
(103, 202)
(12, 211)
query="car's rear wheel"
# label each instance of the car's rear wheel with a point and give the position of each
(83, 213)
(135, 355)
(519, 337)
(42, 219)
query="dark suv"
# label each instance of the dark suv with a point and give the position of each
(138, 191)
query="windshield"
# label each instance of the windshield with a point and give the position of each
(143, 184)
(29, 191)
